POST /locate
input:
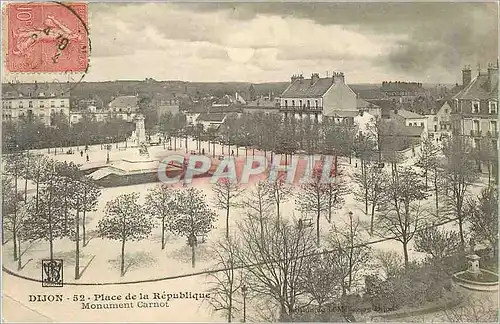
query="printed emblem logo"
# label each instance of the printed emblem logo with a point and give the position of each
(52, 273)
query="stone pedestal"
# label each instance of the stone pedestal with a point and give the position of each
(473, 262)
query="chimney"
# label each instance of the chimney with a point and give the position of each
(314, 78)
(338, 77)
(466, 75)
(492, 75)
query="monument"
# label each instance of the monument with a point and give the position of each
(140, 130)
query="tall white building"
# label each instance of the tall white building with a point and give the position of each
(35, 101)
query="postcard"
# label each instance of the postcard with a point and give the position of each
(249, 162)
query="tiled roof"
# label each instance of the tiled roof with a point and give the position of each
(211, 117)
(363, 104)
(373, 94)
(402, 86)
(342, 113)
(124, 102)
(478, 89)
(407, 114)
(261, 103)
(35, 90)
(224, 109)
(304, 88)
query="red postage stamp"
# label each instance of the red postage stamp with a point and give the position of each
(47, 37)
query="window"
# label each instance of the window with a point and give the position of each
(446, 111)
(286, 103)
(52, 111)
(316, 103)
(293, 103)
(30, 104)
(20, 104)
(493, 126)
(300, 103)
(62, 103)
(475, 107)
(477, 144)
(422, 124)
(52, 103)
(493, 107)
(42, 104)
(308, 103)
(435, 118)
(475, 125)
(436, 128)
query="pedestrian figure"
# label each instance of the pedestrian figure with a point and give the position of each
(232, 152)
(203, 151)
(81, 153)
(87, 157)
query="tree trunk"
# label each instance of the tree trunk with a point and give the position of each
(14, 228)
(193, 255)
(77, 244)
(461, 230)
(84, 235)
(163, 233)
(425, 175)
(37, 193)
(14, 220)
(230, 303)
(317, 227)
(436, 191)
(227, 220)
(19, 261)
(122, 267)
(405, 251)
(372, 217)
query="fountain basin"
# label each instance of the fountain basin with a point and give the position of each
(484, 280)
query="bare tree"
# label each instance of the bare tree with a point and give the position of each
(389, 262)
(403, 213)
(428, 157)
(322, 281)
(373, 181)
(160, 203)
(335, 190)
(276, 263)
(312, 198)
(351, 256)
(483, 215)
(226, 191)
(193, 217)
(474, 309)
(258, 204)
(225, 283)
(279, 192)
(91, 194)
(124, 221)
(438, 243)
(459, 174)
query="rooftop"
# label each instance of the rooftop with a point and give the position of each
(407, 114)
(363, 104)
(306, 88)
(211, 117)
(124, 102)
(479, 89)
(35, 90)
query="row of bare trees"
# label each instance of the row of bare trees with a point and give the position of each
(58, 207)
(274, 261)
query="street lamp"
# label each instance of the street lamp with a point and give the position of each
(244, 291)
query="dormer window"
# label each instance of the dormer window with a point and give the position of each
(493, 107)
(42, 94)
(475, 107)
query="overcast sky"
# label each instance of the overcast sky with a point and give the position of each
(369, 42)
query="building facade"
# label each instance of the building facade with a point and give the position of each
(475, 107)
(317, 98)
(36, 101)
